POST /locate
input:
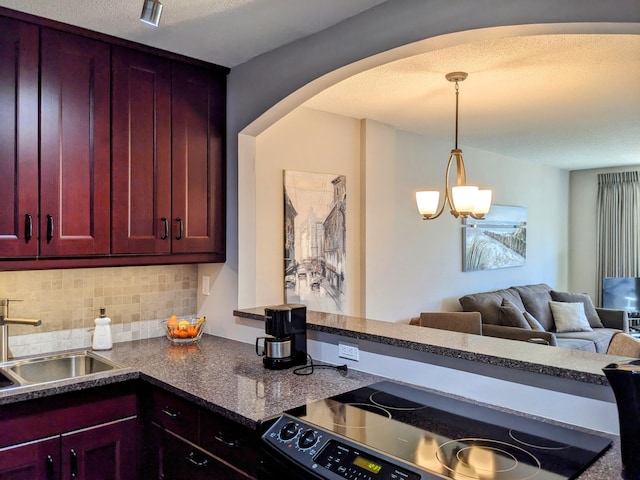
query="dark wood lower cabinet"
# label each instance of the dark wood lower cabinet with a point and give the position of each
(85, 435)
(102, 452)
(31, 461)
(183, 441)
(184, 461)
(97, 434)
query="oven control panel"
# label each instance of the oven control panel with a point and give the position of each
(332, 457)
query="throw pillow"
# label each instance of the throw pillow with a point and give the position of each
(533, 323)
(569, 317)
(589, 309)
(512, 316)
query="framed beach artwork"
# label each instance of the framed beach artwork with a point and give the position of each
(315, 206)
(497, 241)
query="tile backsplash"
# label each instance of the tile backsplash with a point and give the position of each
(67, 301)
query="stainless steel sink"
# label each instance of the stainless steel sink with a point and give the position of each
(56, 367)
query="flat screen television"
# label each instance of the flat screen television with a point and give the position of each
(621, 293)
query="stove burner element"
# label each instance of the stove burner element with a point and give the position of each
(536, 442)
(386, 400)
(483, 458)
(350, 415)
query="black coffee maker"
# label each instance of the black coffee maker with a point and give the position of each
(287, 344)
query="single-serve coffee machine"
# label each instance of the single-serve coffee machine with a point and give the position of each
(286, 345)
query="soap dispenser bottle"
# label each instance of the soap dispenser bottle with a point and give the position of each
(102, 333)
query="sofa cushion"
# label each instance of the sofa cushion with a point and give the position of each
(535, 299)
(599, 337)
(569, 317)
(534, 324)
(576, 344)
(489, 303)
(589, 309)
(512, 316)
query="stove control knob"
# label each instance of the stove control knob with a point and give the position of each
(288, 431)
(307, 439)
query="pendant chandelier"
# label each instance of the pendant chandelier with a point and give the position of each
(463, 200)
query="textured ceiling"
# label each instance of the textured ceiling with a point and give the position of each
(224, 32)
(571, 101)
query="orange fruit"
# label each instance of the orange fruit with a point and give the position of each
(192, 331)
(172, 322)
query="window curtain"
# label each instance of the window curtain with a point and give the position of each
(618, 224)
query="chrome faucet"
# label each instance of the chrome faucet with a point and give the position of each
(5, 321)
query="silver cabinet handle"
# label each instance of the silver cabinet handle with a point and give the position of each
(169, 413)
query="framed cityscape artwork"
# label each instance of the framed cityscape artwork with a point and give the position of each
(315, 206)
(497, 241)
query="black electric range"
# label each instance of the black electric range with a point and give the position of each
(390, 431)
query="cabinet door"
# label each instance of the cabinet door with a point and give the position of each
(104, 452)
(141, 133)
(198, 126)
(75, 146)
(38, 460)
(18, 139)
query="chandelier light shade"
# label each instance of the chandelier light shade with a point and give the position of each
(463, 200)
(151, 12)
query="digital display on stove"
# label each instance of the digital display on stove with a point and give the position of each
(362, 462)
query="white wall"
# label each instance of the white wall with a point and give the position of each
(404, 264)
(308, 141)
(426, 255)
(582, 240)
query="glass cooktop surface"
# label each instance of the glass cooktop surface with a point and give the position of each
(453, 438)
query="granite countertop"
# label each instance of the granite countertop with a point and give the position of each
(557, 362)
(227, 377)
(222, 375)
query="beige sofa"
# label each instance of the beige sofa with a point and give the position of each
(502, 313)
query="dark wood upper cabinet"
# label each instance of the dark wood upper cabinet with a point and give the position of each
(111, 153)
(168, 169)
(198, 126)
(18, 138)
(75, 155)
(141, 133)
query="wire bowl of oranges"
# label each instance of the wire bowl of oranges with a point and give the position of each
(184, 330)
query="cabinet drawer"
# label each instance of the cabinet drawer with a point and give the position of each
(182, 461)
(175, 414)
(230, 441)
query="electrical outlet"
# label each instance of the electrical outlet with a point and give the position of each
(205, 285)
(349, 351)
